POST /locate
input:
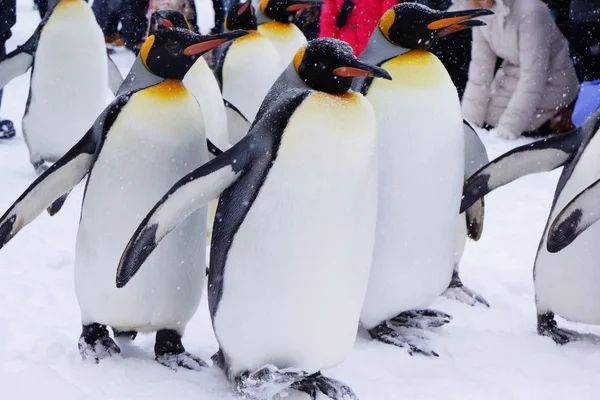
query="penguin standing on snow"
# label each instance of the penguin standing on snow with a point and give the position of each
(246, 69)
(290, 256)
(150, 136)
(421, 172)
(274, 18)
(566, 276)
(69, 79)
(201, 82)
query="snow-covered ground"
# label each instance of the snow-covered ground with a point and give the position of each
(484, 353)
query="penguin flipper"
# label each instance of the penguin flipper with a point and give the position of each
(475, 157)
(541, 156)
(48, 187)
(581, 213)
(15, 64)
(237, 123)
(189, 194)
(115, 79)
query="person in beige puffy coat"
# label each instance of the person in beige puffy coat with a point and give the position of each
(535, 86)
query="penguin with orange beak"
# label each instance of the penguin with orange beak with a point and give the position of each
(422, 168)
(149, 137)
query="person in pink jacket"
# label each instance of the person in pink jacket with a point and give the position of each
(352, 21)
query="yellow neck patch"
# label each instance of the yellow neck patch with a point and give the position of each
(250, 36)
(145, 50)
(167, 90)
(64, 3)
(386, 22)
(416, 68)
(299, 57)
(276, 27)
(263, 5)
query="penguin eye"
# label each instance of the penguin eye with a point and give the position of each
(173, 47)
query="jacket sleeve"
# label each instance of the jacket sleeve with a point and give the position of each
(481, 74)
(328, 28)
(535, 34)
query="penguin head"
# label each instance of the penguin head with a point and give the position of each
(415, 26)
(328, 65)
(241, 16)
(170, 53)
(284, 10)
(165, 19)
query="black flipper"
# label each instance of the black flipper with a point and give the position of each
(212, 148)
(475, 158)
(58, 179)
(189, 194)
(581, 213)
(237, 123)
(541, 156)
(115, 79)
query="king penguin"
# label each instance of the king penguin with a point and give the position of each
(566, 276)
(421, 172)
(290, 256)
(71, 72)
(274, 18)
(201, 82)
(151, 135)
(246, 70)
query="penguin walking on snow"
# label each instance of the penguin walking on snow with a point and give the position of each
(274, 22)
(284, 296)
(421, 172)
(149, 137)
(566, 276)
(71, 72)
(246, 70)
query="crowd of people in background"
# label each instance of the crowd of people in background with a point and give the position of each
(533, 70)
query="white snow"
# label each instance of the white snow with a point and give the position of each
(484, 353)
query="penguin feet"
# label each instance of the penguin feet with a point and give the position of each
(421, 319)
(407, 338)
(547, 327)
(317, 383)
(459, 292)
(465, 295)
(169, 351)
(268, 381)
(95, 343)
(131, 335)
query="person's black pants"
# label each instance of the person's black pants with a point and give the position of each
(585, 50)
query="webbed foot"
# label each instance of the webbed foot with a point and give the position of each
(408, 338)
(169, 351)
(331, 388)
(421, 319)
(268, 381)
(95, 343)
(459, 292)
(131, 335)
(547, 327)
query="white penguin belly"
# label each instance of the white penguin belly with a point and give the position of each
(69, 82)
(461, 238)
(421, 172)
(287, 39)
(201, 82)
(153, 143)
(297, 270)
(568, 282)
(251, 67)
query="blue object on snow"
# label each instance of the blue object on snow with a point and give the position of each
(587, 102)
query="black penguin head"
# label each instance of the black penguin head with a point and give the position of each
(415, 26)
(165, 19)
(284, 10)
(241, 16)
(170, 53)
(328, 65)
